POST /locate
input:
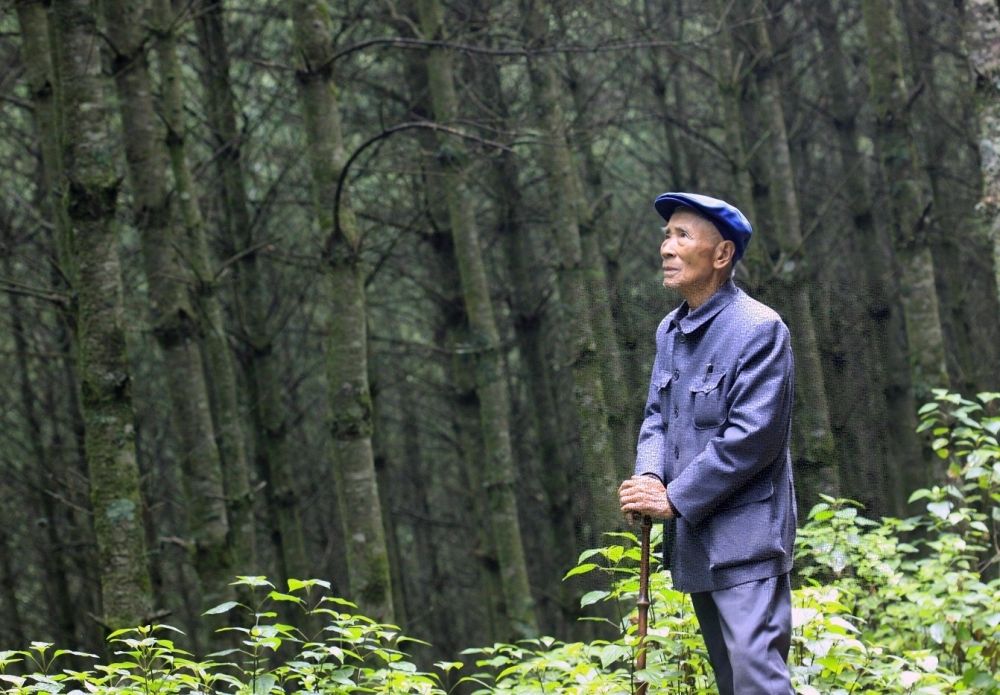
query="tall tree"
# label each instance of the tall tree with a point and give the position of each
(531, 292)
(870, 249)
(212, 331)
(982, 34)
(816, 456)
(347, 350)
(583, 356)
(92, 184)
(42, 82)
(175, 322)
(269, 417)
(592, 206)
(491, 384)
(910, 196)
(944, 124)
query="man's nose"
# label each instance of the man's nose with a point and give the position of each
(667, 248)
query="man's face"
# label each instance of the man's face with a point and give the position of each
(689, 251)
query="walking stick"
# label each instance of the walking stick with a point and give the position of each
(643, 602)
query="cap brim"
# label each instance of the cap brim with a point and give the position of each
(667, 203)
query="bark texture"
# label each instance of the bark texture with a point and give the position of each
(268, 414)
(491, 383)
(211, 325)
(910, 195)
(982, 35)
(576, 277)
(347, 349)
(888, 388)
(92, 184)
(816, 462)
(175, 323)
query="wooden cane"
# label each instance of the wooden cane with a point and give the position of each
(643, 602)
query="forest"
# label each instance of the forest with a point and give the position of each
(365, 293)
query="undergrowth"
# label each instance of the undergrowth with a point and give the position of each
(882, 606)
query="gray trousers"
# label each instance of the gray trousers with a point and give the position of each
(748, 630)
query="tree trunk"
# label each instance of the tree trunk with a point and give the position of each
(217, 356)
(461, 420)
(175, 325)
(268, 413)
(347, 350)
(529, 290)
(600, 474)
(45, 471)
(909, 194)
(887, 370)
(982, 35)
(13, 619)
(816, 456)
(959, 236)
(92, 185)
(491, 384)
(40, 72)
(592, 203)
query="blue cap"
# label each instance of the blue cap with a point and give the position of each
(731, 223)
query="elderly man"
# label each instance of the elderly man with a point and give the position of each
(713, 453)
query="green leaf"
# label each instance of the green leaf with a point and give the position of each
(593, 597)
(296, 584)
(339, 601)
(940, 509)
(251, 581)
(981, 680)
(448, 666)
(223, 608)
(581, 569)
(278, 596)
(262, 684)
(818, 507)
(919, 495)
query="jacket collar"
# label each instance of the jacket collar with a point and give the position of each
(688, 321)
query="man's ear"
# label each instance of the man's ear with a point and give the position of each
(723, 254)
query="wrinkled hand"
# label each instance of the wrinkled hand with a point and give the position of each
(644, 495)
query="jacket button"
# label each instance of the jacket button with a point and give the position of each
(677, 452)
(677, 374)
(677, 410)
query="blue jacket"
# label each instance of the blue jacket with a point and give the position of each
(716, 430)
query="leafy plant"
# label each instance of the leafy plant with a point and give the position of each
(887, 606)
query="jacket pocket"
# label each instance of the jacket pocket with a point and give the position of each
(741, 535)
(757, 489)
(662, 381)
(709, 406)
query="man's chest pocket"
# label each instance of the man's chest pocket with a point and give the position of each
(662, 381)
(709, 400)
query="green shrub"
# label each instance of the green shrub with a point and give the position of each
(888, 606)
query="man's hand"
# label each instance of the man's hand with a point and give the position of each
(645, 495)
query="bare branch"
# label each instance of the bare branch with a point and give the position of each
(409, 125)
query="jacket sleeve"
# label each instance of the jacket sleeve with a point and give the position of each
(649, 451)
(756, 429)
